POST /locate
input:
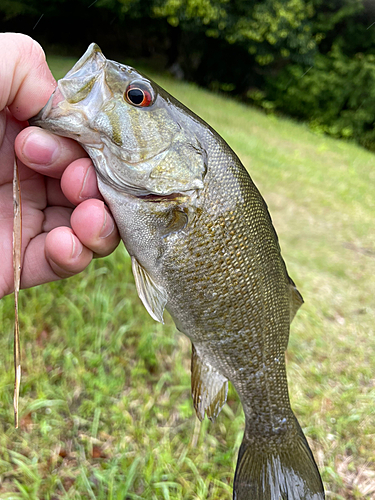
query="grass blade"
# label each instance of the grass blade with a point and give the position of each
(17, 245)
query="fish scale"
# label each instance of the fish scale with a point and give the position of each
(203, 247)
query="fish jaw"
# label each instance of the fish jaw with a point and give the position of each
(56, 117)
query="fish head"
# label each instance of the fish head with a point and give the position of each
(140, 138)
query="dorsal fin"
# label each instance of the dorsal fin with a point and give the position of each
(209, 388)
(296, 299)
(153, 296)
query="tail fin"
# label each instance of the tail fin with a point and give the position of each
(283, 474)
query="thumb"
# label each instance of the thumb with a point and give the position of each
(26, 82)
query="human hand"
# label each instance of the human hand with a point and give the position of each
(64, 223)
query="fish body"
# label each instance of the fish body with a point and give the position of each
(203, 247)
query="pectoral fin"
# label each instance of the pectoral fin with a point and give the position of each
(296, 299)
(177, 221)
(153, 296)
(208, 387)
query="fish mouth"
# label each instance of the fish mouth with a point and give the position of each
(56, 117)
(93, 62)
(155, 198)
(43, 115)
(93, 58)
(79, 81)
(73, 89)
(86, 69)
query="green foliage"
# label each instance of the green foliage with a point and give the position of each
(201, 12)
(336, 96)
(268, 30)
(123, 8)
(274, 30)
(14, 8)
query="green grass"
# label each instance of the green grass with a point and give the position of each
(105, 403)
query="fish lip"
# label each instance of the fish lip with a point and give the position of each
(42, 116)
(155, 198)
(88, 68)
(38, 119)
(92, 51)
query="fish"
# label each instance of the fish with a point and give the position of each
(202, 247)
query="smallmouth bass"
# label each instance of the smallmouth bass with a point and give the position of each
(203, 247)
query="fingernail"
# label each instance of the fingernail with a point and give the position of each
(77, 247)
(87, 187)
(108, 224)
(41, 147)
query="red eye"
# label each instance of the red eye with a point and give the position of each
(139, 94)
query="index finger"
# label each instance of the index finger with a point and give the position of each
(26, 82)
(45, 152)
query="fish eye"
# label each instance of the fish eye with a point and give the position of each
(139, 94)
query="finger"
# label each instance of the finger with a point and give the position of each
(45, 152)
(54, 255)
(56, 217)
(26, 81)
(55, 196)
(93, 224)
(79, 182)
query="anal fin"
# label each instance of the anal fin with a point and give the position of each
(209, 388)
(153, 296)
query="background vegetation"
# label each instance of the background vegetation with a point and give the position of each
(106, 411)
(310, 59)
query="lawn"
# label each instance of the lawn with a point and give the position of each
(105, 405)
